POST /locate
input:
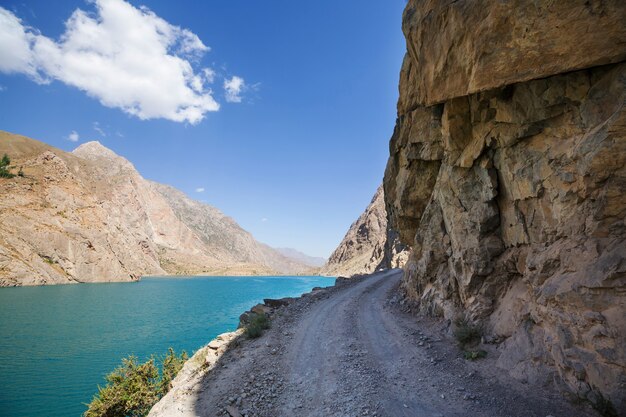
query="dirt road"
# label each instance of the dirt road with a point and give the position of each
(351, 351)
(349, 354)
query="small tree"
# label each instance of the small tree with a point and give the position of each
(4, 167)
(130, 391)
(133, 388)
(171, 364)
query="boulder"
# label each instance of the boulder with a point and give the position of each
(278, 302)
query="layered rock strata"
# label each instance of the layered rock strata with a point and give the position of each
(507, 177)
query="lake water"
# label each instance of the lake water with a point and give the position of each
(58, 342)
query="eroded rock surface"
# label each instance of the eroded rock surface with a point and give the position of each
(463, 47)
(368, 245)
(507, 178)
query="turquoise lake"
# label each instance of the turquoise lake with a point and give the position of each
(58, 342)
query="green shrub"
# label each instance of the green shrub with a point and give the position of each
(131, 391)
(133, 388)
(257, 325)
(4, 167)
(472, 355)
(466, 332)
(171, 364)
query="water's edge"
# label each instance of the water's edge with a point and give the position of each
(204, 360)
(182, 276)
(59, 341)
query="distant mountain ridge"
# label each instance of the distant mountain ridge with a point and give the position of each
(89, 216)
(313, 261)
(224, 236)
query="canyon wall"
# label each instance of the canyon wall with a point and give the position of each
(368, 244)
(507, 178)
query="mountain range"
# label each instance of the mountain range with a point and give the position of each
(89, 216)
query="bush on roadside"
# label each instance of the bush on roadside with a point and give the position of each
(171, 365)
(133, 388)
(472, 355)
(466, 332)
(257, 325)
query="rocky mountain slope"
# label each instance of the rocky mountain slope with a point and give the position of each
(507, 176)
(89, 216)
(362, 250)
(224, 238)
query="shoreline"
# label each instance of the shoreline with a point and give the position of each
(191, 313)
(210, 356)
(328, 351)
(238, 276)
(160, 276)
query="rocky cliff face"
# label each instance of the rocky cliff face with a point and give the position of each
(365, 247)
(89, 216)
(507, 178)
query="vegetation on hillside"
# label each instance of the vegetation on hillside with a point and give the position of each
(4, 167)
(466, 332)
(133, 388)
(257, 325)
(468, 335)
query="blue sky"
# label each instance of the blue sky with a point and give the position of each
(300, 140)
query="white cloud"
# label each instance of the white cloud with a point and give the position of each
(97, 128)
(209, 75)
(126, 57)
(234, 87)
(73, 136)
(264, 219)
(16, 42)
(2, 88)
(199, 190)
